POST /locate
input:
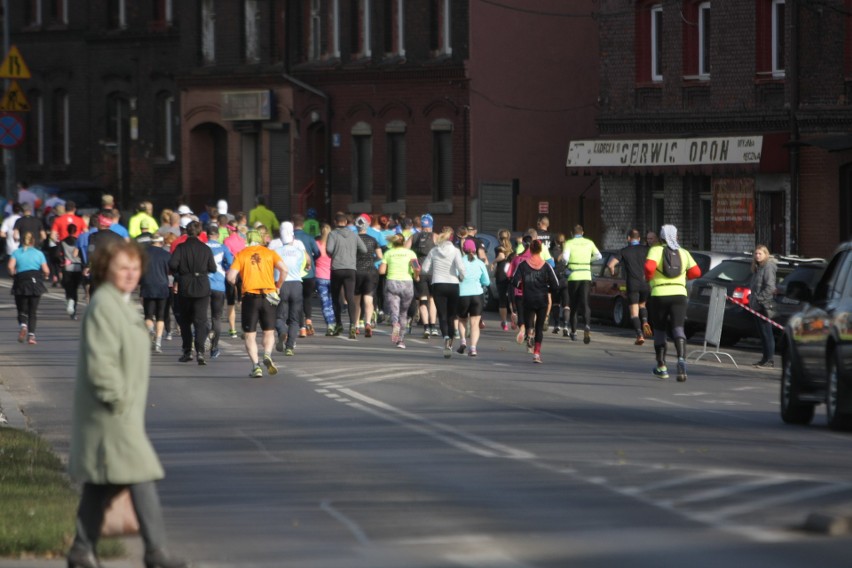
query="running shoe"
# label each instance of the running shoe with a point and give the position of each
(536, 358)
(481, 324)
(368, 330)
(448, 347)
(256, 372)
(565, 332)
(556, 330)
(31, 340)
(530, 344)
(279, 343)
(461, 349)
(158, 348)
(426, 332)
(395, 333)
(646, 330)
(519, 338)
(640, 340)
(514, 318)
(270, 365)
(504, 326)
(330, 331)
(472, 352)
(232, 333)
(289, 352)
(168, 336)
(303, 332)
(309, 327)
(186, 357)
(661, 372)
(587, 336)
(338, 329)
(353, 332)
(456, 335)
(435, 332)
(208, 343)
(573, 336)
(201, 360)
(401, 344)
(681, 370)
(22, 335)
(69, 307)
(214, 353)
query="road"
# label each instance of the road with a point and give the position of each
(361, 455)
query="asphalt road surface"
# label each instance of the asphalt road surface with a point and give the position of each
(358, 454)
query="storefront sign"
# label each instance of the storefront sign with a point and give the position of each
(544, 207)
(733, 205)
(247, 105)
(665, 152)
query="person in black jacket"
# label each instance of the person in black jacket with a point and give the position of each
(537, 279)
(154, 291)
(191, 262)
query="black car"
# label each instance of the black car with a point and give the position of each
(735, 276)
(817, 347)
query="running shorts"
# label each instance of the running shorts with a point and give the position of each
(470, 306)
(256, 308)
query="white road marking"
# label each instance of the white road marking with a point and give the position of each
(259, 445)
(351, 525)
(729, 490)
(691, 393)
(743, 508)
(674, 482)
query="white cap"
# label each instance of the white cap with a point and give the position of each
(222, 207)
(184, 221)
(184, 210)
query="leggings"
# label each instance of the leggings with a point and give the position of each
(288, 313)
(540, 317)
(308, 287)
(578, 293)
(71, 284)
(324, 290)
(398, 296)
(446, 298)
(27, 311)
(217, 306)
(345, 279)
(667, 312)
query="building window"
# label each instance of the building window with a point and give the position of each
(704, 40)
(315, 31)
(166, 126)
(60, 134)
(696, 39)
(649, 43)
(362, 163)
(35, 129)
(394, 29)
(58, 12)
(163, 13)
(657, 43)
(360, 33)
(32, 12)
(778, 36)
(442, 160)
(117, 14)
(208, 32)
(396, 189)
(334, 28)
(251, 17)
(439, 27)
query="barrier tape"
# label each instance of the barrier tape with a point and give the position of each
(761, 316)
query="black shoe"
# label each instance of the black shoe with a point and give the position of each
(185, 357)
(201, 360)
(80, 559)
(160, 559)
(769, 364)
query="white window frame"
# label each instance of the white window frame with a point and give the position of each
(315, 31)
(122, 14)
(400, 27)
(66, 134)
(170, 13)
(335, 28)
(656, 74)
(168, 116)
(366, 29)
(39, 108)
(208, 32)
(39, 15)
(251, 15)
(776, 72)
(703, 11)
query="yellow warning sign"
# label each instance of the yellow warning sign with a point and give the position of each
(14, 66)
(14, 100)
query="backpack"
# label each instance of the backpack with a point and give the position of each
(422, 244)
(672, 263)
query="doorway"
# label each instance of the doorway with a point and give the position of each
(208, 165)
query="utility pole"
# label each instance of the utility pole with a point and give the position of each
(8, 153)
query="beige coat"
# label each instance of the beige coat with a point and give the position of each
(108, 441)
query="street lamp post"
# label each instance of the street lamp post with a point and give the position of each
(8, 153)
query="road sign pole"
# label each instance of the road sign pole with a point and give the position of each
(8, 153)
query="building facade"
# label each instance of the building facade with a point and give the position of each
(735, 137)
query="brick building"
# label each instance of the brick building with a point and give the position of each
(735, 137)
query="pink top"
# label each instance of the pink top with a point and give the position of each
(513, 266)
(323, 263)
(235, 243)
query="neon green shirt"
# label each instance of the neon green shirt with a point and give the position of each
(398, 260)
(579, 253)
(662, 285)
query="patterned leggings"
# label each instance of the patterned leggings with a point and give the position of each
(398, 296)
(324, 289)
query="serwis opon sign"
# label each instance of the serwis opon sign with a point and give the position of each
(665, 152)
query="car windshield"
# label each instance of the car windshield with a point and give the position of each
(731, 271)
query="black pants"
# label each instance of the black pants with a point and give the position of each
(193, 313)
(535, 318)
(71, 284)
(217, 306)
(446, 298)
(309, 285)
(343, 279)
(667, 312)
(578, 295)
(28, 311)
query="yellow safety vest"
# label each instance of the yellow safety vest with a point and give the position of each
(661, 285)
(580, 252)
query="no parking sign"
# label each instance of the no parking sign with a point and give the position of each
(11, 131)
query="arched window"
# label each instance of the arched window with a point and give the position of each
(362, 162)
(60, 128)
(165, 126)
(442, 160)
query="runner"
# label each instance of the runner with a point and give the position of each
(538, 281)
(367, 276)
(289, 312)
(28, 267)
(256, 265)
(632, 257)
(516, 294)
(401, 269)
(470, 296)
(445, 269)
(154, 291)
(324, 280)
(223, 259)
(235, 242)
(422, 243)
(72, 270)
(309, 276)
(579, 254)
(342, 246)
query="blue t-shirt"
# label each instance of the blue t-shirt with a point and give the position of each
(29, 259)
(224, 259)
(119, 230)
(475, 277)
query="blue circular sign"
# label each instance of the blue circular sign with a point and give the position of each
(11, 131)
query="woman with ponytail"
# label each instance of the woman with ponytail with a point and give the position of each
(28, 266)
(470, 296)
(537, 282)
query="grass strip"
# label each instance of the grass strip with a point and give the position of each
(37, 501)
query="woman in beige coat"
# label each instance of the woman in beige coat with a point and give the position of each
(110, 450)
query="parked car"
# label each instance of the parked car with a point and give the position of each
(817, 347)
(734, 275)
(86, 195)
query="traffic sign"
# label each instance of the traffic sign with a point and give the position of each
(11, 131)
(14, 100)
(13, 66)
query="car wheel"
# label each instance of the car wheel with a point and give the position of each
(792, 411)
(837, 420)
(729, 339)
(618, 312)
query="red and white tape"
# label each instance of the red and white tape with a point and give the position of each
(761, 316)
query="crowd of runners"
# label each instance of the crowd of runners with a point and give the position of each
(404, 271)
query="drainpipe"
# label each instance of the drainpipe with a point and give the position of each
(327, 99)
(794, 127)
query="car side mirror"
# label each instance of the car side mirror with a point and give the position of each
(799, 291)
